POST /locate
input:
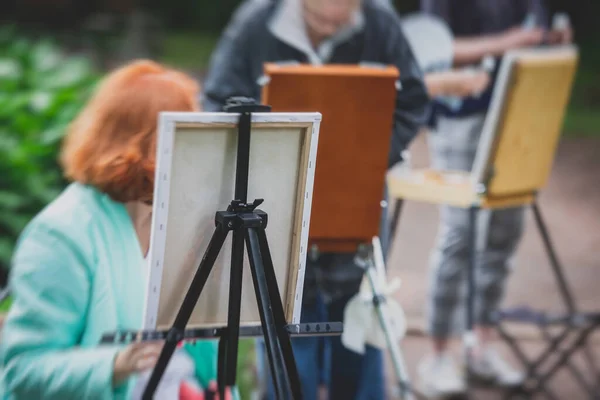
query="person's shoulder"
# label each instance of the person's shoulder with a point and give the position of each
(252, 14)
(74, 206)
(68, 218)
(381, 9)
(381, 15)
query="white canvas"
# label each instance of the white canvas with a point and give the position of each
(195, 178)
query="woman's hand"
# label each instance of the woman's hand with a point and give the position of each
(562, 36)
(135, 358)
(459, 83)
(471, 83)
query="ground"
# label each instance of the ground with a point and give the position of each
(570, 207)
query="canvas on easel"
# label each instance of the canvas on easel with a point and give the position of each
(519, 138)
(195, 178)
(357, 103)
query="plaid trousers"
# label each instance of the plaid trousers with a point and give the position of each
(453, 146)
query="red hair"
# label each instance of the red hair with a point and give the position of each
(111, 145)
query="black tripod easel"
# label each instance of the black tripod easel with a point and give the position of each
(248, 226)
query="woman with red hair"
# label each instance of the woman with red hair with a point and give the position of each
(78, 270)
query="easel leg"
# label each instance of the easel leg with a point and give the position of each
(561, 281)
(469, 337)
(395, 221)
(279, 314)
(565, 355)
(397, 358)
(230, 341)
(556, 266)
(263, 296)
(185, 312)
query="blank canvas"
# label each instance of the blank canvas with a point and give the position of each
(195, 178)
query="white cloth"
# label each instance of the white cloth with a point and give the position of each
(181, 368)
(362, 325)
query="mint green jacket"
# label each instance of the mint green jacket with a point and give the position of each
(77, 273)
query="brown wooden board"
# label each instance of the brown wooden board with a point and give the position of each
(357, 106)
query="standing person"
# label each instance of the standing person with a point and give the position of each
(79, 271)
(481, 28)
(322, 32)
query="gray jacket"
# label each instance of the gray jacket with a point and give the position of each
(273, 31)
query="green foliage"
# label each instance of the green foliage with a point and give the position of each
(41, 91)
(5, 305)
(583, 115)
(246, 381)
(188, 50)
(207, 16)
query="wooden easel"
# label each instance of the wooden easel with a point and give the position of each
(513, 163)
(357, 104)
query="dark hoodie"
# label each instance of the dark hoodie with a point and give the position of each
(273, 31)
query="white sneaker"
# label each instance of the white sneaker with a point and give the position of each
(440, 377)
(490, 367)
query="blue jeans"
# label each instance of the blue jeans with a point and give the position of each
(325, 361)
(312, 355)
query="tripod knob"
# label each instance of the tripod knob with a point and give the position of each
(239, 100)
(241, 104)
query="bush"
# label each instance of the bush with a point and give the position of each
(41, 91)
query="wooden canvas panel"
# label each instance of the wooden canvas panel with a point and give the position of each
(196, 177)
(357, 104)
(524, 123)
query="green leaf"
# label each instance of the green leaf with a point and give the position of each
(14, 223)
(8, 144)
(71, 72)
(10, 104)
(45, 56)
(52, 135)
(41, 101)
(27, 124)
(10, 200)
(19, 49)
(11, 74)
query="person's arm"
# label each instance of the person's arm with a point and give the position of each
(51, 283)
(472, 49)
(412, 101)
(456, 83)
(469, 50)
(229, 72)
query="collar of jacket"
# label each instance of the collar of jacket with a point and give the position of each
(288, 26)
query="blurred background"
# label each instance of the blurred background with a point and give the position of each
(52, 52)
